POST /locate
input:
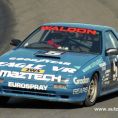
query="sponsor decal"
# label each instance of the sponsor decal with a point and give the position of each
(80, 81)
(35, 76)
(105, 80)
(40, 61)
(63, 69)
(27, 86)
(32, 70)
(77, 67)
(80, 90)
(92, 65)
(21, 65)
(107, 71)
(69, 29)
(53, 53)
(103, 66)
(36, 68)
(107, 74)
(115, 69)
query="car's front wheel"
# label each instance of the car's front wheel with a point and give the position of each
(92, 91)
(4, 100)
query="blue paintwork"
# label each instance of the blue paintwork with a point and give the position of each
(78, 60)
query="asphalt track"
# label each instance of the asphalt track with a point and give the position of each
(18, 18)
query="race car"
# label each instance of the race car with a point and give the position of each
(62, 62)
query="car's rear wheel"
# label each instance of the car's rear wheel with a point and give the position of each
(4, 100)
(92, 91)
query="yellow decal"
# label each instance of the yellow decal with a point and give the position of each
(32, 70)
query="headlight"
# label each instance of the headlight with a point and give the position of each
(60, 86)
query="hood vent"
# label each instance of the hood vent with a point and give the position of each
(46, 56)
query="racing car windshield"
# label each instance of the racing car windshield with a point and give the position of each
(65, 38)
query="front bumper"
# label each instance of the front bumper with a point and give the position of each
(57, 95)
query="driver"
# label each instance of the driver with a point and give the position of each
(57, 39)
(52, 43)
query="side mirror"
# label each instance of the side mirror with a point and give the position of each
(15, 42)
(112, 51)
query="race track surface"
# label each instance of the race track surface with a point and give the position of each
(19, 18)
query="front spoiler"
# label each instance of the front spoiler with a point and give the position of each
(60, 97)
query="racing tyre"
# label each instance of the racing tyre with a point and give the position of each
(3, 100)
(92, 91)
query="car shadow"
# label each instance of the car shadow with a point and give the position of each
(107, 97)
(36, 104)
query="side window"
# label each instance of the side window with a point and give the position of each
(111, 40)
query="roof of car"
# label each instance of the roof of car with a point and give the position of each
(81, 25)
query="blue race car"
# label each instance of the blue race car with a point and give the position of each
(64, 62)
